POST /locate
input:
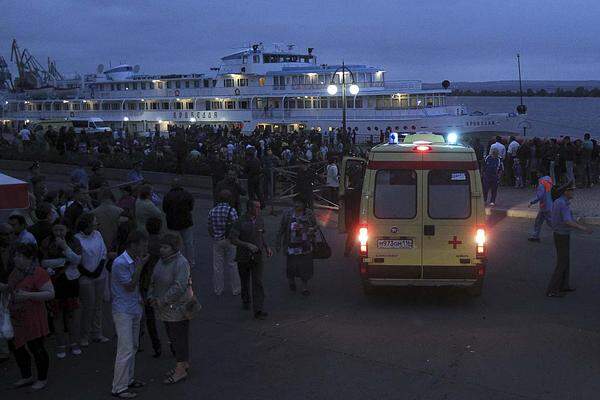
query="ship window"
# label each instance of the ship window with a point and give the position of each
(112, 86)
(244, 104)
(359, 102)
(255, 58)
(177, 84)
(76, 107)
(165, 106)
(190, 105)
(197, 83)
(178, 105)
(207, 104)
(230, 105)
(118, 86)
(215, 105)
(154, 106)
(300, 103)
(187, 84)
(115, 106)
(261, 81)
(87, 106)
(160, 85)
(65, 106)
(168, 84)
(135, 85)
(47, 106)
(242, 82)
(143, 85)
(96, 106)
(131, 106)
(307, 104)
(228, 82)
(105, 106)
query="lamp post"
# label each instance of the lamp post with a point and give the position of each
(353, 88)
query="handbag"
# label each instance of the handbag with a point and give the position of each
(192, 306)
(6, 329)
(321, 249)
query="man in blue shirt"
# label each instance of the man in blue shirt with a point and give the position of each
(543, 196)
(127, 311)
(562, 224)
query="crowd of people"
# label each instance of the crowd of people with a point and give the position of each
(88, 243)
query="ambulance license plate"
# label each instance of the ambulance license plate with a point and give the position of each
(394, 243)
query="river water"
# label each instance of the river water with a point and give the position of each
(547, 116)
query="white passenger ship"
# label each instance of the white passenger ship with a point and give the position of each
(278, 88)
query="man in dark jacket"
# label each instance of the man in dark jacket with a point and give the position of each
(178, 205)
(81, 203)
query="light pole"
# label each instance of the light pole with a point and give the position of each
(353, 88)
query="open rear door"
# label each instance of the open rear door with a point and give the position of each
(351, 176)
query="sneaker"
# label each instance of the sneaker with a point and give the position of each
(38, 385)
(84, 342)
(60, 354)
(75, 350)
(101, 339)
(23, 382)
(492, 204)
(261, 315)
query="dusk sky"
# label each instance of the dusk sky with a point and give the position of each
(432, 40)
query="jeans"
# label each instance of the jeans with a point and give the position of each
(3, 347)
(40, 355)
(91, 295)
(187, 236)
(252, 269)
(150, 321)
(224, 255)
(67, 327)
(560, 277)
(127, 327)
(542, 216)
(553, 171)
(490, 185)
(569, 171)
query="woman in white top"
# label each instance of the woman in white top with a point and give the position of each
(92, 282)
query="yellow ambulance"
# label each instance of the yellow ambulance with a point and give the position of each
(421, 218)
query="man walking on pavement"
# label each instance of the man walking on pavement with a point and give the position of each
(562, 224)
(248, 235)
(178, 206)
(543, 196)
(127, 312)
(220, 220)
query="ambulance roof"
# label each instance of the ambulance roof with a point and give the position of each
(436, 143)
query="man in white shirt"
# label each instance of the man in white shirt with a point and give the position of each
(513, 148)
(333, 180)
(25, 135)
(501, 148)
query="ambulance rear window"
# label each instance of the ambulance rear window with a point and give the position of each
(449, 194)
(395, 194)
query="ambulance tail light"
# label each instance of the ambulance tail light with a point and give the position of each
(363, 237)
(422, 148)
(480, 242)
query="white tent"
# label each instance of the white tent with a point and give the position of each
(13, 193)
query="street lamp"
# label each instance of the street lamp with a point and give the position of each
(353, 88)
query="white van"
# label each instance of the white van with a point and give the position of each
(90, 125)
